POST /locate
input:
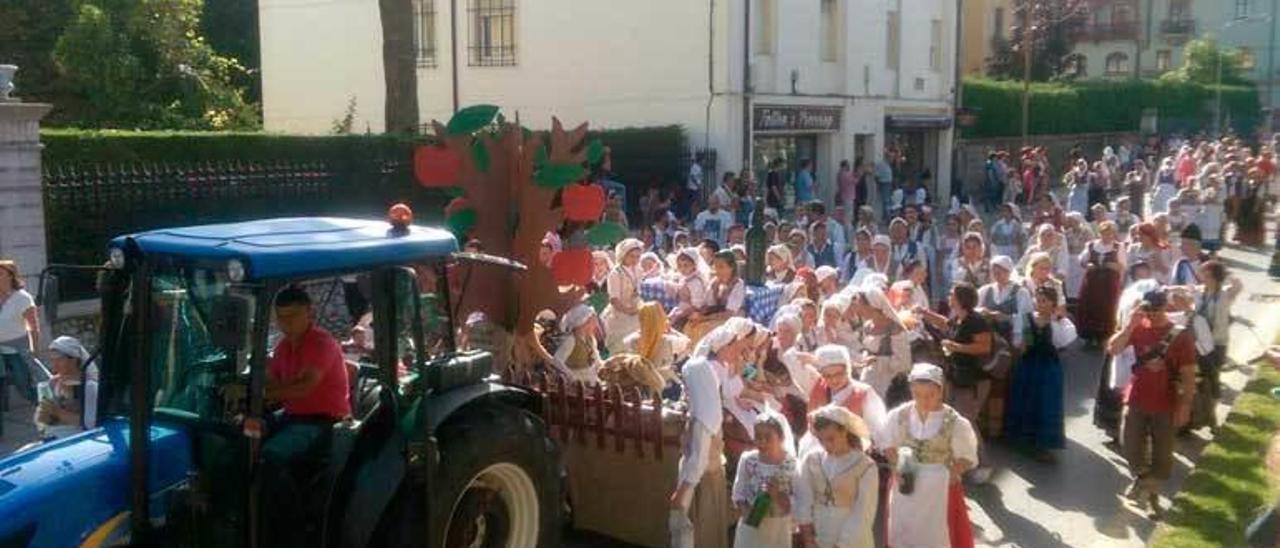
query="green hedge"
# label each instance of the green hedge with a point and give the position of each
(1106, 106)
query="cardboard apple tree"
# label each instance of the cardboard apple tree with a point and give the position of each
(510, 188)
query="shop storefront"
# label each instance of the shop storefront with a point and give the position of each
(913, 142)
(791, 134)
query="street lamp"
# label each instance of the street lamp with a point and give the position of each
(1217, 88)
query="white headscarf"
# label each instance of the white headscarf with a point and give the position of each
(726, 333)
(879, 301)
(624, 247)
(789, 320)
(875, 280)
(783, 252)
(575, 317)
(70, 347)
(841, 415)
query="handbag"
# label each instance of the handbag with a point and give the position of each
(1001, 360)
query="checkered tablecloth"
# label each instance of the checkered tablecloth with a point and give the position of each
(762, 301)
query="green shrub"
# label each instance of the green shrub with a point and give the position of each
(1106, 106)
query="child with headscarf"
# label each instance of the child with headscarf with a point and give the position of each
(651, 267)
(778, 259)
(577, 358)
(623, 283)
(838, 491)
(691, 290)
(726, 297)
(886, 345)
(763, 486)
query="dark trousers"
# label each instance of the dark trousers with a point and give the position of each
(17, 369)
(289, 457)
(1142, 429)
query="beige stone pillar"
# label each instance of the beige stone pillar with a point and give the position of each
(22, 231)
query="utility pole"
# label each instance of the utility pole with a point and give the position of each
(453, 50)
(1026, 70)
(746, 84)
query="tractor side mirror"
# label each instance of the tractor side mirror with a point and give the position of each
(49, 297)
(228, 321)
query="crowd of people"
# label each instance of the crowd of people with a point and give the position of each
(909, 336)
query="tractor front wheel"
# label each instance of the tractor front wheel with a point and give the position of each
(498, 484)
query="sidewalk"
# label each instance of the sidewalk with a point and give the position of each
(19, 429)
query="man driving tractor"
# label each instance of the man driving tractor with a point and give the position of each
(307, 376)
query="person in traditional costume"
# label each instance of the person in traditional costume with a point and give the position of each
(786, 368)
(1049, 242)
(1117, 368)
(691, 289)
(1039, 273)
(833, 327)
(1078, 181)
(858, 252)
(781, 271)
(1076, 235)
(656, 342)
(1035, 415)
(1150, 248)
(948, 248)
(621, 316)
(836, 385)
(700, 505)
(764, 486)
(1004, 302)
(1166, 188)
(726, 297)
(1007, 234)
(1104, 261)
(1186, 270)
(971, 266)
(828, 281)
(651, 267)
(1214, 298)
(932, 446)
(798, 242)
(886, 346)
(880, 261)
(577, 357)
(1251, 213)
(837, 495)
(601, 266)
(902, 248)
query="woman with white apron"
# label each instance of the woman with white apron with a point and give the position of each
(932, 446)
(700, 506)
(621, 316)
(576, 357)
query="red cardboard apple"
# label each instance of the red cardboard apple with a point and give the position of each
(572, 267)
(583, 203)
(435, 166)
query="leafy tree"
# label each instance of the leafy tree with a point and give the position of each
(144, 64)
(1203, 58)
(1055, 25)
(28, 31)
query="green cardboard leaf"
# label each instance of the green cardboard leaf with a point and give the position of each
(453, 191)
(540, 157)
(558, 175)
(470, 119)
(606, 234)
(461, 222)
(480, 155)
(595, 152)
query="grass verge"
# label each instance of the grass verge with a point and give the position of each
(1230, 482)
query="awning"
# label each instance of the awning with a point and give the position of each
(917, 121)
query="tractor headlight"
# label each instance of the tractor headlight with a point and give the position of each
(116, 256)
(235, 270)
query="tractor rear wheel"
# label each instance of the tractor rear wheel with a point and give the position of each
(498, 481)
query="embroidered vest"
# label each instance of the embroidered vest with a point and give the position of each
(582, 355)
(935, 450)
(840, 491)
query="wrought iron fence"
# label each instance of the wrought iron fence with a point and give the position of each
(86, 205)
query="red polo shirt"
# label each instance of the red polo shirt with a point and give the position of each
(316, 349)
(1149, 390)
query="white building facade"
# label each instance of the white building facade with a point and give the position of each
(830, 80)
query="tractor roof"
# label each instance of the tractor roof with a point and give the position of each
(297, 247)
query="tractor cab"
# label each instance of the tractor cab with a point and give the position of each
(186, 339)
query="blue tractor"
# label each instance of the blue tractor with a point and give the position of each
(437, 452)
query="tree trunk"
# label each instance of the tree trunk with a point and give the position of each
(399, 66)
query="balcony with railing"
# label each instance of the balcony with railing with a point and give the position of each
(1113, 30)
(1178, 30)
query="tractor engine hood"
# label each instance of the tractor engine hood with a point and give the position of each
(58, 493)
